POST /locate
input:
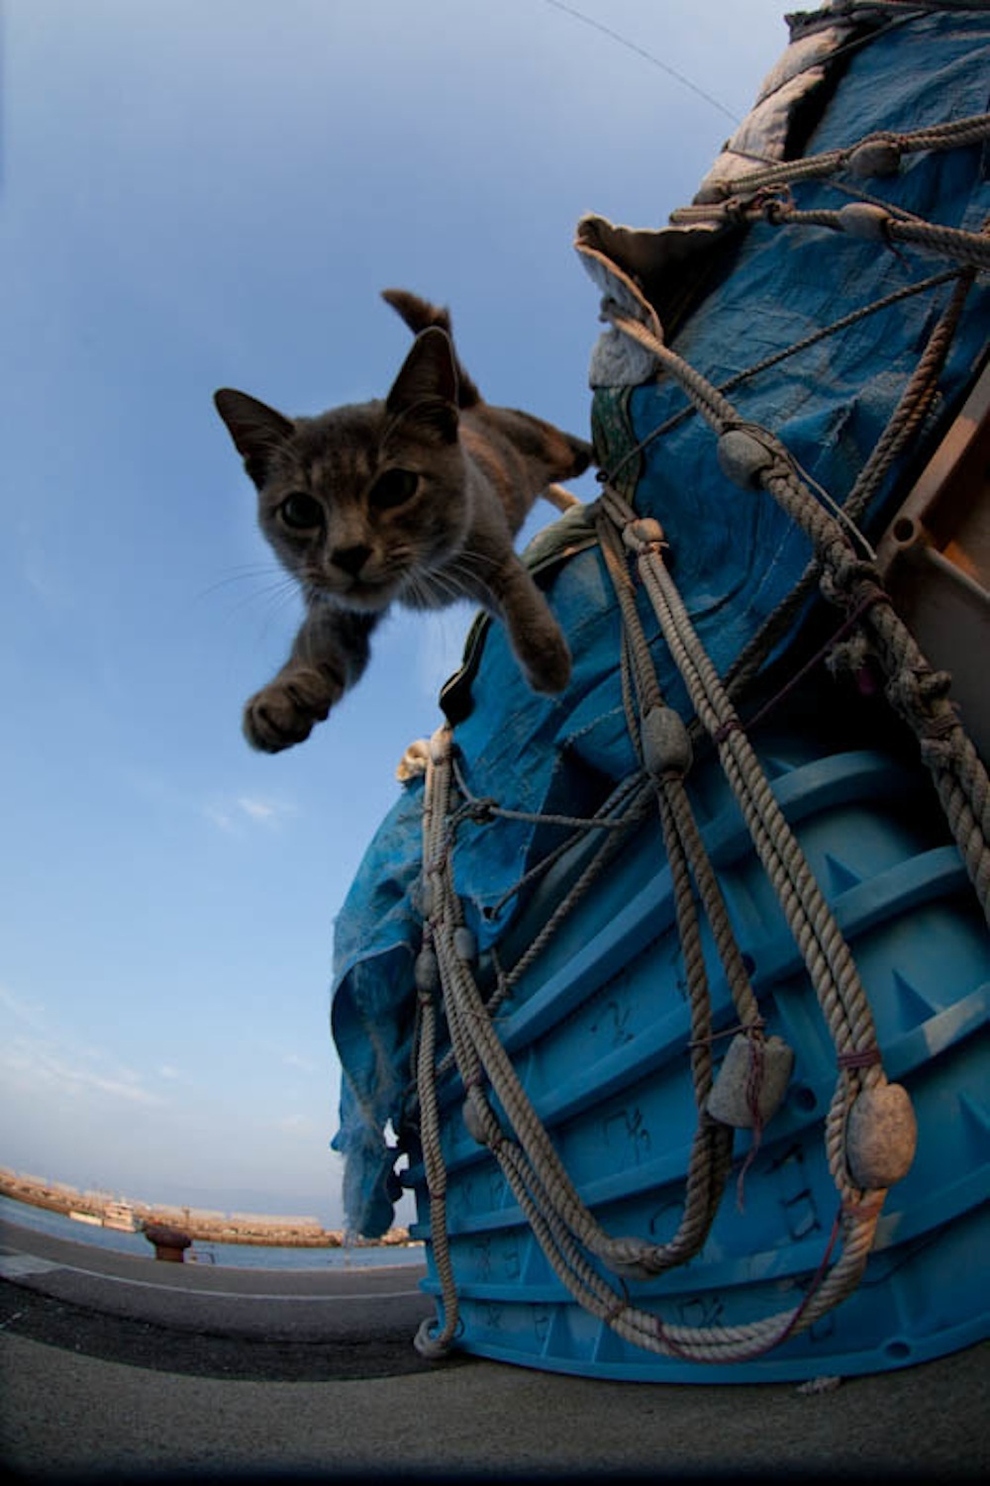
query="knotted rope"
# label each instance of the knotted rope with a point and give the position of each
(754, 458)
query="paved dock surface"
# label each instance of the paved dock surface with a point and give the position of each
(115, 1368)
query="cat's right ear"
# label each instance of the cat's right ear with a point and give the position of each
(425, 391)
(256, 429)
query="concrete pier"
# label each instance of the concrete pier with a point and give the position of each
(115, 1368)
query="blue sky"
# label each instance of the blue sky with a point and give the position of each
(202, 193)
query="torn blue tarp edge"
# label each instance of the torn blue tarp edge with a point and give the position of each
(374, 1053)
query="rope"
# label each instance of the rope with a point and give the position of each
(827, 957)
(429, 1343)
(566, 1230)
(560, 1220)
(561, 1223)
(878, 224)
(631, 814)
(916, 692)
(768, 362)
(912, 408)
(877, 153)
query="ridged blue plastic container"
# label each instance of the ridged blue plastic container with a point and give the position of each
(818, 333)
(598, 1031)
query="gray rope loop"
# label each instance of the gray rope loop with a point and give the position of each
(432, 1348)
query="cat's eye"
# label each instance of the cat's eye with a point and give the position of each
(393, 488)
(301, 512)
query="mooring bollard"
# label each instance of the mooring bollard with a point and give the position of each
(170, 1244)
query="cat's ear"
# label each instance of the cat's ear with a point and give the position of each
(256, 429)
(425, 391)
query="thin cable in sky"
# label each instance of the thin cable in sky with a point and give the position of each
(642, 52)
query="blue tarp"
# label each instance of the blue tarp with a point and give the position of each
(735, 555)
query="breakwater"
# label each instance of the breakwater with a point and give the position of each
(199, 1224)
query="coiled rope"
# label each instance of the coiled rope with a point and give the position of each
(564, 1227)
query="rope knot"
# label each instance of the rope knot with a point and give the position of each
(774, 206)
(482, 809)
(849, 582)
(731, 724)
(923, 694)
(862, 1211)
(860, 1057)
(644, 534)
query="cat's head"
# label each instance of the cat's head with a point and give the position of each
(360, 500)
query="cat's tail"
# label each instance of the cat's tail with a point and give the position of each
(420, 314)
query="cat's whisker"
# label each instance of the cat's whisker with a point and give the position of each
(459, 579)
(276, 595)
(237, 576)
(426, 589)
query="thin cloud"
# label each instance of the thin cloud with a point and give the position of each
(31, 1013)
(257, 809)
(220, 818)
(52, 1070)
(294, 1060)
(52, 1062)
(234, 816)
(294, 1125)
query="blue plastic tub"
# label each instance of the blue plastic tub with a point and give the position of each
(597, 1028)
(598, 1033)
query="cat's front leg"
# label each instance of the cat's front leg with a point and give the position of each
(536, 637)
(329, 654)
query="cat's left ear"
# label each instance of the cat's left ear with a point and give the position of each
(256, 429)
(425, 391)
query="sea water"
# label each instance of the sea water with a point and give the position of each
(229, 1255)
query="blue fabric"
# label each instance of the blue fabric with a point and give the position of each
(734, 555)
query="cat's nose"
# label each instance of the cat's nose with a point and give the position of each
(351, 559)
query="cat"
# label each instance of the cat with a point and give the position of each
(413, 499)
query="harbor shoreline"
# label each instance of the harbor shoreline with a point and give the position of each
(201, 1226)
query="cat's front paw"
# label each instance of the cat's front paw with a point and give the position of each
(284, 712)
